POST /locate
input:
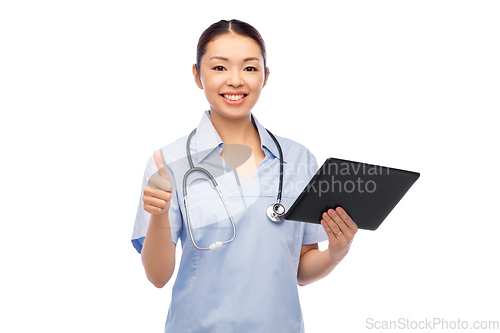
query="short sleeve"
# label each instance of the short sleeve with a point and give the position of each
(142, 217)
(313, 233)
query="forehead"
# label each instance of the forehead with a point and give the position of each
(233, 46)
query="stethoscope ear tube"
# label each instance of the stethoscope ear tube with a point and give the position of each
(276, 212)
(280, 187)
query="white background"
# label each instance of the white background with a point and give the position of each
(88, 89)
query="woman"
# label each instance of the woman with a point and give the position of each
(248, 284)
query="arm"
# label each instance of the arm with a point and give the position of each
(314, 264)
(158, 252)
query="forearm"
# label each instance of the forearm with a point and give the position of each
(315, 265)
(158, 251)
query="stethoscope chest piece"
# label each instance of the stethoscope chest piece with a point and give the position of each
(276, 212)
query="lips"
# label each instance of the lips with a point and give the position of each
(234, 98)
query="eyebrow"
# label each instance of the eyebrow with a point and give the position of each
(226, 59)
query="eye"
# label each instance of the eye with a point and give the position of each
(218, 68)
(250, 69)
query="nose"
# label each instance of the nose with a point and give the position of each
(235, 79)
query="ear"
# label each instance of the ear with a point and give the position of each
(265, 79)
(197, 77)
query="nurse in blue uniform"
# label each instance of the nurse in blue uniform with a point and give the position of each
(247, 281)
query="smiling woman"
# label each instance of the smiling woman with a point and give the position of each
(232, 72)
(247, 283)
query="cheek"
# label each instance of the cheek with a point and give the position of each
(257, 88)
(257, 82)
(211, 84)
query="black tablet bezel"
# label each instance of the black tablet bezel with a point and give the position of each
(367, 207)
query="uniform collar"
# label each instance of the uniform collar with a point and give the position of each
(208, 139)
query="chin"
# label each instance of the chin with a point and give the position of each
(233, 113)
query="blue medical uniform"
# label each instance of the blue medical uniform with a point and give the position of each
(250, 284)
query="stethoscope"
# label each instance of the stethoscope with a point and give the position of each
(275, 212)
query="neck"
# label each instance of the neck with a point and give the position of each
(235, 130)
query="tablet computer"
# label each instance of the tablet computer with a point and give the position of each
(367, 192)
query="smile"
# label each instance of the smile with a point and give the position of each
(233, 97)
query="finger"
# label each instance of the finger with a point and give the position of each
(160, 164)
(347, 219)
(153, 209)
(334, 237)
(155, 202)
(331, 224)
(159, 194)
(158, 159)
(328, 230)
(157, 182)
(338, 220)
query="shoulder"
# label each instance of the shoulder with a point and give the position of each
(300, 162)
(293, 148)
(175, 151)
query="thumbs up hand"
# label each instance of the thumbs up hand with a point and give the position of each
(158, 193)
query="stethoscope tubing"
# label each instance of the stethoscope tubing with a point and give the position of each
(275, 211)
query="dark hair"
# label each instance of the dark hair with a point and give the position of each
(224, 27)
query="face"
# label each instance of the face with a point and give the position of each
(231, 75)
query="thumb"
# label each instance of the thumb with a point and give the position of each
(158, 160)
(161, 180)
(162, 170)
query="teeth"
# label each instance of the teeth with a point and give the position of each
(233, 97)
